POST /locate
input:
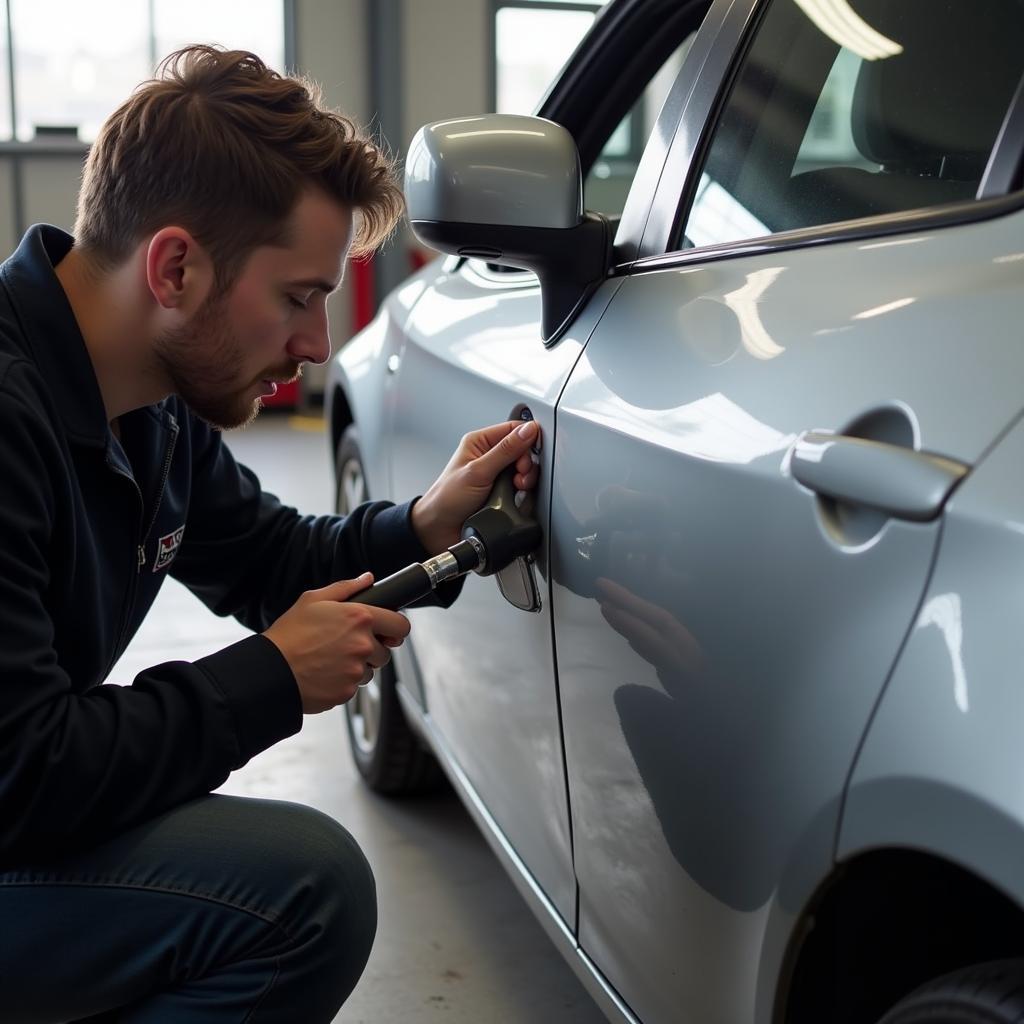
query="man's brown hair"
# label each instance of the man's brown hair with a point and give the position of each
(223, 146)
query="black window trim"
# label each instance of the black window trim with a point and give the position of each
(637, 139)
(999, 193)
(866, 228)
(1003, 173)
(726, 29)
(577, 91)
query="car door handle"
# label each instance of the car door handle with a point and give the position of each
(901, 482)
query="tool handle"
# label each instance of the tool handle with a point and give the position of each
(505, 529)
(397, 590)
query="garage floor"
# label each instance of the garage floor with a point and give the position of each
(455, 942)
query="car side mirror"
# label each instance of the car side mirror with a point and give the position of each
(508, 189)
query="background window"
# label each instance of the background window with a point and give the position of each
(533, 42)
(260, 29)
(75, 63)
(6, 129)
(845, 109)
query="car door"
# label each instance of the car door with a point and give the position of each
(472, 355)
(730, 591)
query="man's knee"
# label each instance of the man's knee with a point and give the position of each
(273, 902)
(330, 911)
(296, 868)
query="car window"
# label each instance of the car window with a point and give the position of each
(843, 109)
(609, 179)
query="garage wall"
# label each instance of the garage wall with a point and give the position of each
(330, 47)
(446, 60)
(441, 60)
(47, 176)
(8, 235)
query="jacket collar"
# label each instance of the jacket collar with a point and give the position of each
(52, 332)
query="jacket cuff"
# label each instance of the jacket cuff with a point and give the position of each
(394, 536)
(393, 540)
(260, 690)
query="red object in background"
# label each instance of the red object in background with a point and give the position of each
(287, 396)
(361, 276)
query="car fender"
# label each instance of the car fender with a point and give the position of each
(941, 766)
(358, 380)
(804, 875)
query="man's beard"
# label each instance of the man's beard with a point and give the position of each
(202, 360)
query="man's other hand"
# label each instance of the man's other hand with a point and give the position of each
(463, 486)
(332, 647)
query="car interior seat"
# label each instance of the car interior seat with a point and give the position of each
(928, 116)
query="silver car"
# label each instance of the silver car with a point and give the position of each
(749, 732)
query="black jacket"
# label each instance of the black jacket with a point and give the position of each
(89, 529)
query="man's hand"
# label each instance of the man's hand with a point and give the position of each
(463, 486)
(332, 647)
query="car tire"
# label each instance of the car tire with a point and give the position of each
(989, 993)
(387, 753)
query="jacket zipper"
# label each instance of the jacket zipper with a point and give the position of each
(140, 558)
(133, 579)
(160, 492)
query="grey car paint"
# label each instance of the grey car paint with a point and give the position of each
(520, 171)
(668, 466)
(714, 696)
(942, 764)
(361, 375)
(487, 669)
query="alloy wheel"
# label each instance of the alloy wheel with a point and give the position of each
(364, 708)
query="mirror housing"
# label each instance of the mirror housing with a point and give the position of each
(509, 190)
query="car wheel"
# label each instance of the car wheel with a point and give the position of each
(990, 993)
(387, 753)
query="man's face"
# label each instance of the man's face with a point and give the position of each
(273, 319)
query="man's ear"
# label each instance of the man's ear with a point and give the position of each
(179, 271)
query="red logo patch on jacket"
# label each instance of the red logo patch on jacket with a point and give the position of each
(167, 548)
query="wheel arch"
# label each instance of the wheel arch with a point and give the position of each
(340, 414)
(931, 836)
(885, 920)
(356, 394)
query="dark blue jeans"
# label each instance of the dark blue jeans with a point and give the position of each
(222, 910)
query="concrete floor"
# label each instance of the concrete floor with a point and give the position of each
(455, 942)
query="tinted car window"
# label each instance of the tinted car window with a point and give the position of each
(844, 109)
